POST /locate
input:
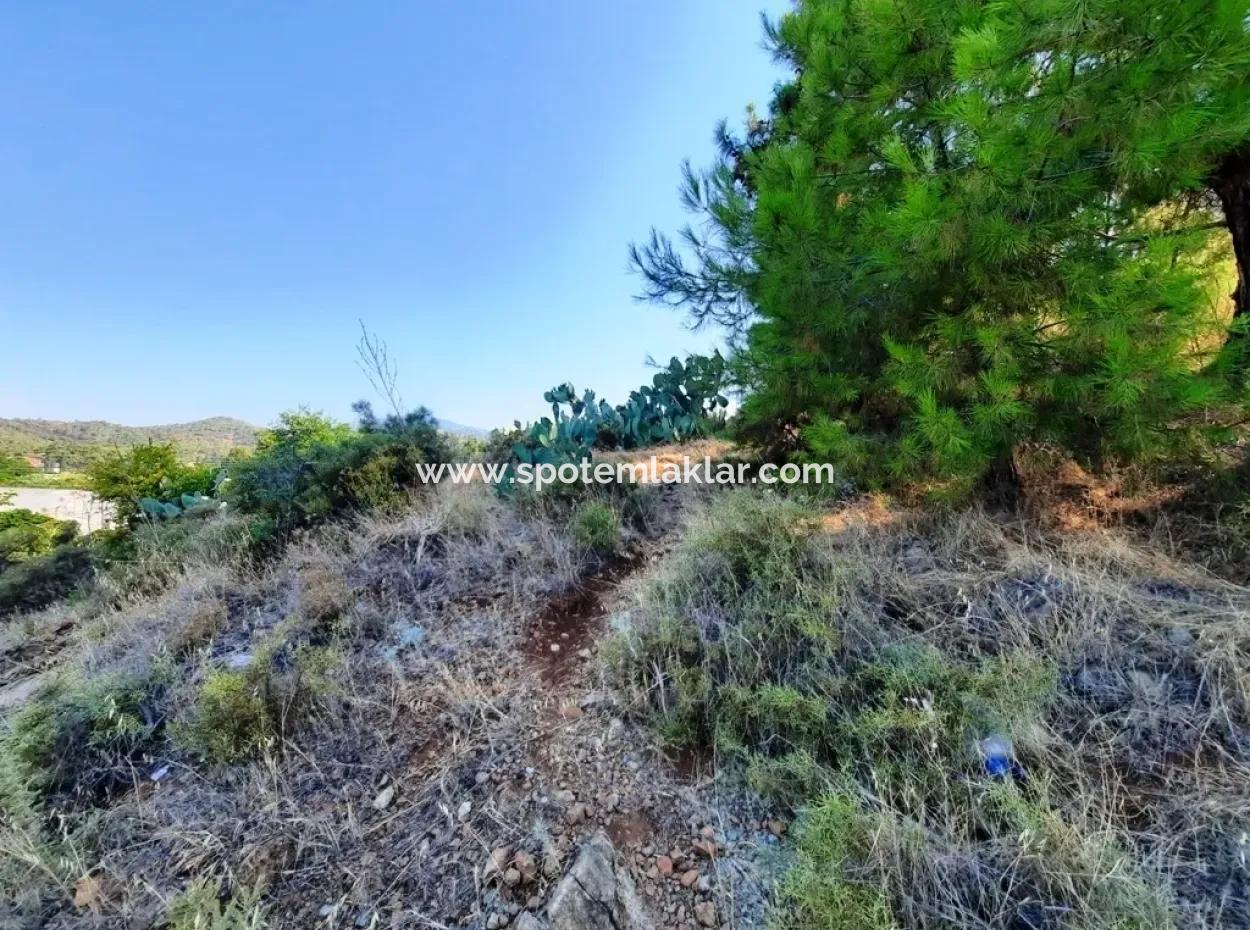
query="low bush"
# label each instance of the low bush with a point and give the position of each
(201, 907)
(238, 711)
(596, 527)
(124, 478)
(80, 739)
(953, 714)
(309, 468)
(25, 534)
(37, 582)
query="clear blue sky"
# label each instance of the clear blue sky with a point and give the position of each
(201, 200)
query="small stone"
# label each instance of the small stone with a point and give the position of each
(512, 878)
(495, 921)
(583, 653)
(527, 921)
(564, 796)
(688, 878)
(571, 712)
(462, 812)
(578, 813)
(482, 777)
(705, 913)
(555, 647)
(525, 865)
(708, 833)
(777, 827)
(384, 798)
(664, 865)
(496, 862)
(551, 865)
(705, 848)
(704, 884)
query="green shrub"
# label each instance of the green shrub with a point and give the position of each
(125, 478)
(25, 534)
(237, 712)
(819, 892)
(596, 527)
(80, 739)
(309, 468)
(38, 582)
(13, 468)
(200, 907)
(231, 719)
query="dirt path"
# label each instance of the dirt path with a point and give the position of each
(691, 851)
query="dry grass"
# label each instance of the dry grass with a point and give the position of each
(862, 667)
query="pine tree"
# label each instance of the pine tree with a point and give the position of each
(964, 225)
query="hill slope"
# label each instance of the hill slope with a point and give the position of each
(211, 438)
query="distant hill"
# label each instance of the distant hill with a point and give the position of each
(77, 441)
(459, 429)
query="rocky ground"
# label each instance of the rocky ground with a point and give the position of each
(478, 769)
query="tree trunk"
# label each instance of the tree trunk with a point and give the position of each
(1231, 183)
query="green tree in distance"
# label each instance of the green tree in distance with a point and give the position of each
(965, 225)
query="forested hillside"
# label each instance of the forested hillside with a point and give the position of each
(79, 442)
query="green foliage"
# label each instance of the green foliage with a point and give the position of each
(819, 892)
(76, 444)
(231, 718)
(25, 534)
(596, 527)
(13, 468)
(37, 582)
(308, 467)
(136, 481)
(78, 739)
(678, 405)
(962, 226)
(237, 712)
(201, 907)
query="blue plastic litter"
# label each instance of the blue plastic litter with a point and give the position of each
(997, 756)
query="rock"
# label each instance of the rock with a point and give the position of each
(595, 895)
(577, 813)
(462, 813)
(705, 913)
(555, 647)
(705, 848)
(689, 877)
(496, 862)
(512, 878)
(495, 921)
(482, 777)
(664, 865)
(384, 798)
(525, 865)
(527, 921)
(777, 827)
(564, 797)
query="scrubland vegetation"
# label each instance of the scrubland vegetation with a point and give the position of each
(976, 256)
